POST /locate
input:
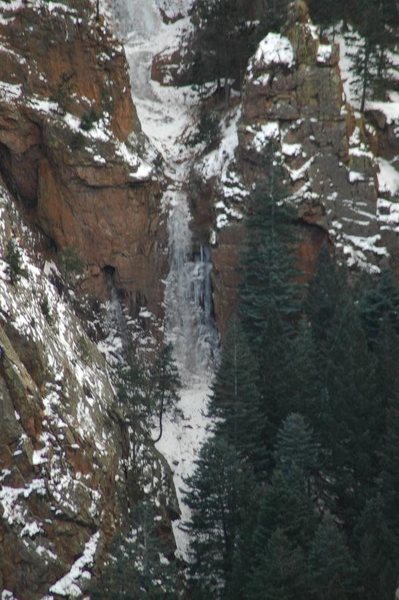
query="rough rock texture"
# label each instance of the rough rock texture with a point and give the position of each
(74, 173)
(66, 474)
(383, 132)
(72, 151)
(299, 109)
(294, 109)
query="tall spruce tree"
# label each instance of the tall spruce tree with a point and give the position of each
(220, 493)
(326, 12)
(303, 377)
(295, 451)
(377, 22)
(269, 295)
(226, 33)
(165, 383)
(287, 500)
(376, 547)
(134, 400)
(215, 24)
(281, 572)
(234, 404)
(350, 419)
(136, 568)
(324, 295)
(332, 573)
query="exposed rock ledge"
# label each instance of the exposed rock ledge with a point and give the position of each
(92, 188)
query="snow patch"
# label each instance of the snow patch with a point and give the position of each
(388, 177)
(268, 132)
(274, 49)
(69, 584)
(324, 53)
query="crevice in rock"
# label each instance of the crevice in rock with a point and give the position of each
(20, 174)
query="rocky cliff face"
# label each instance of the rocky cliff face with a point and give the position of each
(75, 172)
(65, 458)
(294, 108)
(71, 147)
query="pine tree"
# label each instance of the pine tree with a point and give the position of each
(325, 13)
(219, 495)
(165, 383)
(268, 292)
(284, 504)
(269, 296)
(134, 398)
(296, 451)
(234, 404)
(214, 23)
(274, 14)
(325, 295)
(350, 424)
(349, 421)
(137, 568)
(377, 22)
(376, 548)
(225, 36)
(332, 574)
(379, 303)
(280, 573)
(13, 257)
(303, 377)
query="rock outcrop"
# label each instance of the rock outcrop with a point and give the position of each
(66, 472)
(294, 110)
(72, 150)
(76, 173)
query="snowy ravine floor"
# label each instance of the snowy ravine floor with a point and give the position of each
(180, 444)
(165, 114)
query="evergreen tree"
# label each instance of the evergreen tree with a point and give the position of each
(219, 495)
(244, 553)
(379, 303)
(349, 421)
(269, 296)
(225, 36)
(296, 451)
(377, 22)
(268, 292)
(273, 14)
(326, 13)
(137, 568)
(281, 572)
(13, 257)
(235, 404)
(324, 300)
(215, 22)
(285, 504)
(376, 546)
(165, 384)
(286, 501)
(303, 376)
(364, 69)
(134, 398)
(332, 573)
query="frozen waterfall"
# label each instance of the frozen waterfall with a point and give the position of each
(188, 296)
(164, 113)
